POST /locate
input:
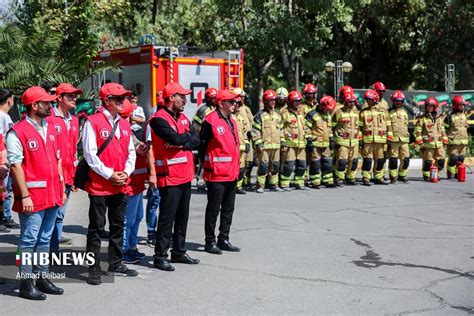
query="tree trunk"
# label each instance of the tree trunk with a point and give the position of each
(154, 12)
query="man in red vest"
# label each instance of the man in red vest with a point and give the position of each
(38, 188)
(220, 150)
(108, 176)
(172, 145)
(67, 127)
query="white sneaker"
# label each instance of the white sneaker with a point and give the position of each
(260, 190)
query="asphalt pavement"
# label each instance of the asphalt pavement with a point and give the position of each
(397, 249)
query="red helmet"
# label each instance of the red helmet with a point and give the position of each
(310, 88)
(328, 103)
(294, 96)
(371, 95)
(269, 95)
(458, 101)
(397, 96)
(379, 86)
(345, 89)
(432, 101)
(350, 96)
(210, 93)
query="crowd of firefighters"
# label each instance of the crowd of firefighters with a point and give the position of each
(321, 142)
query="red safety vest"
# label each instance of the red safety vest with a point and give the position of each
(67, 143)
(221, 162)
(40, 166)
(114, 155)
(173, 165)
(139, 175)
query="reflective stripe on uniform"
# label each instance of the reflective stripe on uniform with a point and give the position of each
(140, 171)
(35, 184)
(172, 161)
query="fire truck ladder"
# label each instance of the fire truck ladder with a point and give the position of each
(233, 69)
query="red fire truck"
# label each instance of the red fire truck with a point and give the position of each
(146, 69)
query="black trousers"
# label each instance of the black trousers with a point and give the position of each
(116, 205)
(174, 208)
(220, 198)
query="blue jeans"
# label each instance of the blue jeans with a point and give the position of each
(133, 217)
(152, 208)
(58, 227)
(7, 208)
(35, 236)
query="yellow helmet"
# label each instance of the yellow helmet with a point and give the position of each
(282, 92)
(239, 91)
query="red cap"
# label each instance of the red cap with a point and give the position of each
(226, 95)
(127, 108)
(174, 88)
(36, 94)
(349, 96)
(67, 88)
(113, 89)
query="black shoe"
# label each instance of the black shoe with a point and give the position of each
(403, 179)
(316, 186)
(46, 286)
(380, 182)
(94, 277)
(29, 291)
(122, 270)
(450, 176)
(163, 264)
(212, 248)
(366, 183)
(241, 191)
(66, 241)
(103, 234)
(427, 179)
(4, 229)
(10, 223)
(184, 258)
(350, 182)
(330, 185)
(393, 180)
(338, 183)
(227, 246)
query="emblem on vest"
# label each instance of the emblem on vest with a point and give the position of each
(32, 144)
(220, 129)
(58, 128)
(51, 138)
(184, 122)
(104, 133)
(125, 133)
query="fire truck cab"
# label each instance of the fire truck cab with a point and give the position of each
(147, 68)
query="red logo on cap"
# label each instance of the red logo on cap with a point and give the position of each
(58, 128)
(32, 144)
(104, 133)
(220, 129)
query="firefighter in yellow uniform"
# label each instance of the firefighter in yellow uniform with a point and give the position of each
(310, 102)
(249, 156)
(282, 94)
(243, 127)
(399, 150)
(346, 135)
(319, 121)
(374, 123)
(430, 135)
(293, 143)
(267, 133)
(342, 91)
(456, 130)
(201, 113)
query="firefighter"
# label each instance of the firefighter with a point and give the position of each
(267, 132)
(293, 143)
(342, 91)
(346, 135)
(249, 156)
(243, 127)
(201, 113)
(456, 125)
(282, 94)
(430, 135)
(379, 87)
(398, 149)
(374, 122)
(310, 102)
(319, 120)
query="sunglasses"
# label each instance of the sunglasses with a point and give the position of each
(117, 98)
(233, 102)
(70, 97)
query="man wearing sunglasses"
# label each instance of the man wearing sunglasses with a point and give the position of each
(173, 140)
(220, 150)
(38, 188)
(108, 177)
(67, 128)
